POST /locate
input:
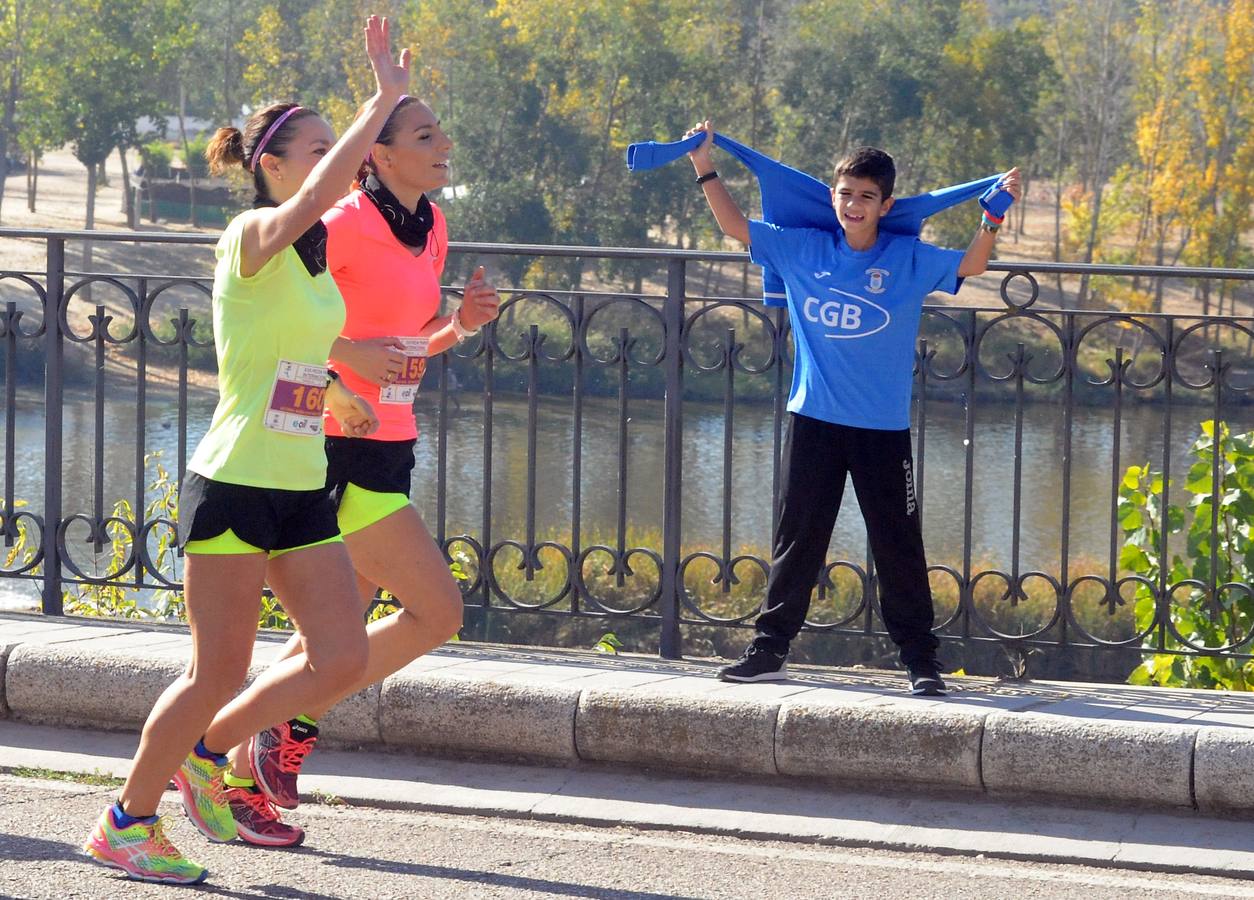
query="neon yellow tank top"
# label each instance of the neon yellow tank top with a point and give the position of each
(279, 317)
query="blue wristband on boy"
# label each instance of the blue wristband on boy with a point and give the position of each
(996, 200)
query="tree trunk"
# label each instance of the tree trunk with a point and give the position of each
(1091, 243)
(4, 165)
(32, 181)
(228, 52)
(756, 103)
(102, 179)
(759, 54)
(92, 171)
(128, 201)
(92, 185)
(1022, 211)
(8, 128)
(1158, 282)
(1058, 206)
(187, 155)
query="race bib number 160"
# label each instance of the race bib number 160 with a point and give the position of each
(296, 399)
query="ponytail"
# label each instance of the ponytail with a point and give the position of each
(225, 149)
(231, 147)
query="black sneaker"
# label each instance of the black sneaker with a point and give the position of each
(925, 679)
(756, 664)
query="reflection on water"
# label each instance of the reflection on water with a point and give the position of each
(943, 488)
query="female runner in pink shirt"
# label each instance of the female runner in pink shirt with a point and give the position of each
(386, 248)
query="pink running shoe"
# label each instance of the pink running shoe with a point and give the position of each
(258, 821)
(142, 851)
(276, 755)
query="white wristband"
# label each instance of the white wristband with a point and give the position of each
(459, 329)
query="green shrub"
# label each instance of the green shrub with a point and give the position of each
(156, 157)
(195, 159)
(1218, 551)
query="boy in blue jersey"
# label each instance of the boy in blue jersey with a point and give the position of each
(854, 303)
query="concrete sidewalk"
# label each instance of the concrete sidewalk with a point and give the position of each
(1099, 744)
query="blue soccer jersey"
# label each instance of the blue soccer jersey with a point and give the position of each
(855, 317)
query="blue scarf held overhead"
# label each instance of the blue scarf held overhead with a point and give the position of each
(793, 199)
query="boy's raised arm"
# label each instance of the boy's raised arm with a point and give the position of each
(975, 262)
(728, 215)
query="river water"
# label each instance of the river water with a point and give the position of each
(942, 489)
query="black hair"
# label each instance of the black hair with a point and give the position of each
(871, 163)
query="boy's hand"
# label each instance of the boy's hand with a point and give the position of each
(701, 156)
(1013, 183)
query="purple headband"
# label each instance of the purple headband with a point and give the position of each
(265, 138)
(404, 97)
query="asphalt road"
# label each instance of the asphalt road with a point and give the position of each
(356, 852)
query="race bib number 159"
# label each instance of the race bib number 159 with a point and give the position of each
(405, 387)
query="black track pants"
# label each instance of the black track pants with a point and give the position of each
(817, 457)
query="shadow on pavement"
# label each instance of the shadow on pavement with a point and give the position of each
(20, 848)
(495, 879)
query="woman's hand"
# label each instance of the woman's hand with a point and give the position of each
(480, 303)
(354, 414)
(392, 79)
(379, 360)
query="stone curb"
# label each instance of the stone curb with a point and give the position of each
(861, 743)
(1223, 770)
(691, 724)
(677, 731)
(5, 651)
(58, 685)
(1092, 759)
(450, 714)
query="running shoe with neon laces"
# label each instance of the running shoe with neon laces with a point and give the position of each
(276, 755)
(142, 851)
(199, 782)
(258, 821)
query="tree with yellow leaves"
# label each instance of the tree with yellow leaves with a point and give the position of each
(1220, 76)
(1192, 176)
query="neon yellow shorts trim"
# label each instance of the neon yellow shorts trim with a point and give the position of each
(229, 542)
(360, 508)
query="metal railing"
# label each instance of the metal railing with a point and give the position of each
(573, 392)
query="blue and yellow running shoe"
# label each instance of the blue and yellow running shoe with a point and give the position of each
(142, 851)
(199, 782)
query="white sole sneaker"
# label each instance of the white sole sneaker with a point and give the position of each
(780, 674)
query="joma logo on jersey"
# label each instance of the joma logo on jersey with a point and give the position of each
(850, 315)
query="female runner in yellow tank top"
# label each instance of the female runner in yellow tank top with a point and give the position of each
(253, 508)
